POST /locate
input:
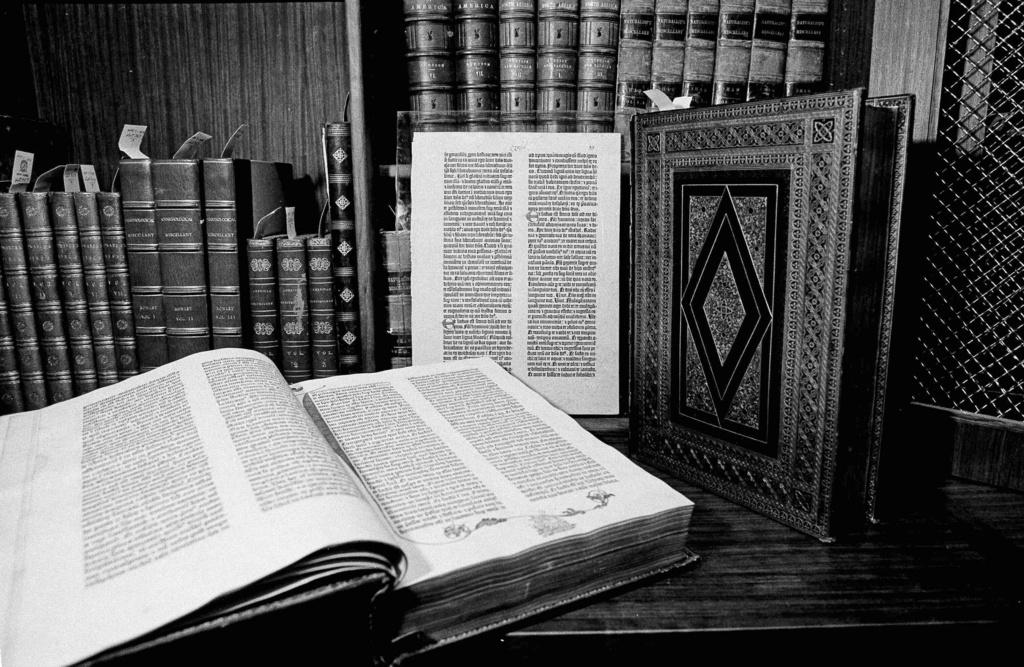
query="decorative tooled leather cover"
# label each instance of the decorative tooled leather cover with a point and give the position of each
(743, 251)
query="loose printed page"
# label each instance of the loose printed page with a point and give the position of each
(468, 464)
(130, 506)
(515, 256)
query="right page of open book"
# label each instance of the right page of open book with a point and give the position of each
(515, 256)
(468, 464)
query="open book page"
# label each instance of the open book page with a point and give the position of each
(467, 464)
(135, 504)
(515, 256)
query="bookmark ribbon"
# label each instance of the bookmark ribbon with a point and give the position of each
(229, 147)
(190, 149)
(71, 178)
(89, 179)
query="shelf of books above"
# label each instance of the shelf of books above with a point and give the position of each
(190, 255)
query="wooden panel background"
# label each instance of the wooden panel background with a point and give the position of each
(182, 68)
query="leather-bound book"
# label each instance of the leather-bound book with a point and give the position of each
(768, 49)
(633, 73)
(138, 207)
(805, 52)
(596, 66)
(42, 269)
(322, 337)
(477, 76)
(64, 220)
(699, 58)
(97, 293)
(669, 46)
(11, 399)
(764, 279)
(429, 43)
(220, 214)
(177, 187)
(263, 310)
(115, 261)
(19, 304)
(345, 270)
(557, 57)
(732, 51)
(517, 55)
(398, 300)
(293, 308)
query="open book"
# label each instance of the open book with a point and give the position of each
(210, 487)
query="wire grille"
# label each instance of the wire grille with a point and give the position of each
(971, 336)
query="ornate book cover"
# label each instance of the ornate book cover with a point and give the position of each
(11, 399)
(322, 336)
(517, 56)
(557, 56)
(97, 295)
(699, 56)
(477, 76)
(597, 65)
(139, 215)
(805, 51)
(115, 264)
(220, 215)
(732, 51)
(337, 141)
(293, 308)
(177, 188)
(18, 290)
(41, 254)
(429, 43)
(768, 49)
(64, 219)
(262, 302)
(762, 232)
(669, 46)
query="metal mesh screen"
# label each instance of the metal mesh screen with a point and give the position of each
(971, 335)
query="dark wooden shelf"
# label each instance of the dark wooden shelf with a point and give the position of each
(940, 577)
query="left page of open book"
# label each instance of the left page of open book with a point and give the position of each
(136, 504)
(515, 256)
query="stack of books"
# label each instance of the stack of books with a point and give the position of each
(66, 316)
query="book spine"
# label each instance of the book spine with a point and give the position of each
(596, 66)
(293, 308)
(101, 325)
(517, 56)
(115, 262)
(669, 46)
(177, 185)
(73, 291)
(398, 300)
(19, 304)
(42, 269)
(138, 206)
(805, 51)
(732, 54)
(477, 80)
(263, 298)
(11, 399)
(429, 41)
(222, 252)
(699, 57)
(322, 337)
(633, 74)
(557, 58)
(338, 144)
(768, 49)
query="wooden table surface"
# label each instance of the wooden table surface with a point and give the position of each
(943, 576)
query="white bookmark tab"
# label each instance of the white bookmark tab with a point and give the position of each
(190, 149)
(229, 147)
(89, 179)
(131, 141)
(21, 170)
(289, 221)
(72, 182)
(659, 99)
